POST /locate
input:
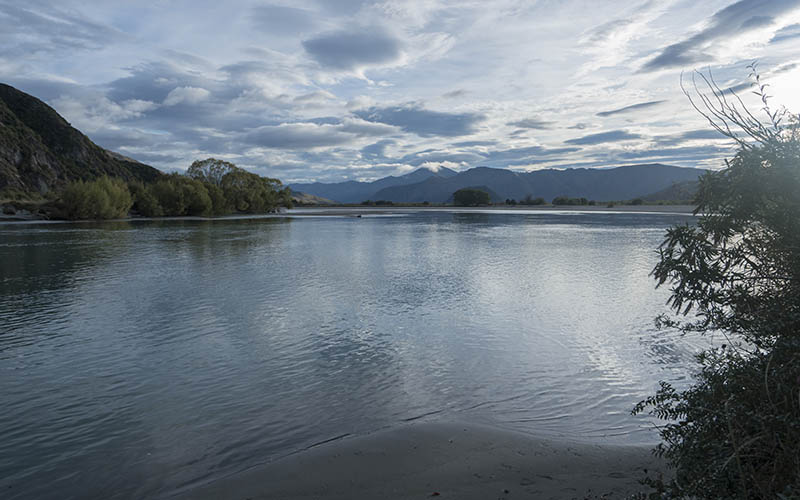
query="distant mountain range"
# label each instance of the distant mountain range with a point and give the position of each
(40, 151)
(438, 185)
(356, 192)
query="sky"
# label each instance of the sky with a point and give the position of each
(331, 90)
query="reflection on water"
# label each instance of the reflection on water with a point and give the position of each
(141, 357)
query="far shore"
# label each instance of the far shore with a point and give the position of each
(444, 460)
(356, 210)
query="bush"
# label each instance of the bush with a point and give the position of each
(470, 197)
(736, 432)
(566, 200)
(176, 195)
(215, 188)
(103, 198)
(530, 200)
(248, 192)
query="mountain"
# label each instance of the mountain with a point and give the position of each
(620, 183)
(356, 192)
(680, 191)
(40, 150)
(309, 199)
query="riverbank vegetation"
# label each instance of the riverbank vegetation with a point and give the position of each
(470, 197)
(209, 187)
(735, 433)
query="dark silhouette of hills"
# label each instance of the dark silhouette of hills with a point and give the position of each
(356, 192)
(40, 150)
(680, 191)
(606, 184)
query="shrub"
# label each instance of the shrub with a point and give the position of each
(735, 433)
(177, 195)
(103, 198)
(248, 192)
(566, 200)
(470, 197)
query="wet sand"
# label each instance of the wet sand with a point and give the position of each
(442, 460)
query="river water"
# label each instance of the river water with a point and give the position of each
(140, 358)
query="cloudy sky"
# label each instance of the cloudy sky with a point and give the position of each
(356, 89)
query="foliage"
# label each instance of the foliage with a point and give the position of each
(248, 192)
(178, 195)
(378, 203)
(566, 200)
(210, 171)
(202, 192)
(103, 198)
(470, 197)
(736, 432)
(530, 200)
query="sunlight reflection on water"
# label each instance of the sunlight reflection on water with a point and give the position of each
(136, 357)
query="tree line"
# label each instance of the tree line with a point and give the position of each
(209, 187)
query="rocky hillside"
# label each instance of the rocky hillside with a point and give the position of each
(40, 151)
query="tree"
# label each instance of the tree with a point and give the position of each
(211, 170)
(102, 198)
(248, 192)
(470, 197)
(735, 433)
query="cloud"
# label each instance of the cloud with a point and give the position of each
(733, 20)
(631, 108)
(423, 122)
(186, 95)
(377, 149)
(579, 126)
(690, 135)
(23, 29)
(352, 50)
(786, 33)
(533, 123)
(309, 135)
(680, 153)
(472, 144)
(455, 93)
(441, 156)
(527, 153)
(604, 137)
(277, 19)
(296, 136)
(364, 128)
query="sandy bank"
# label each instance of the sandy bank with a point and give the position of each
(438, 460)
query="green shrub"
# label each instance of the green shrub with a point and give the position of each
(470, 197)
(736, 432)
(566, 200)
(219, 204)
(248, 192)
(530, 200)
(177, 195)
(103, 198)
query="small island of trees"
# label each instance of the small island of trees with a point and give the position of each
(209, 187)
(469, 197)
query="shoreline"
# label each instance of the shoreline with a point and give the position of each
(446, 460)
(355, 211)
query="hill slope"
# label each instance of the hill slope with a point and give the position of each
(356, 192)
(40, 150)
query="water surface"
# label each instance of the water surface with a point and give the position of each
(140, 357)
